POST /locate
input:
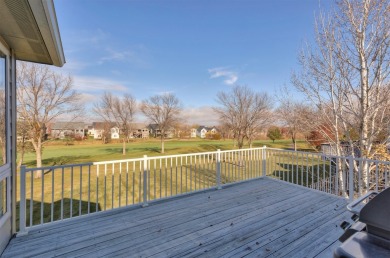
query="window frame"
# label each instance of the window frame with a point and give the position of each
(5, 169)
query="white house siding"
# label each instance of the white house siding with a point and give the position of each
(115, 133)
(193, 133)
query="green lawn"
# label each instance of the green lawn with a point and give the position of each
(83, 190)
(57, 153)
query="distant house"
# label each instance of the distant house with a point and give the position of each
(156, 132)
(139, 131)
(114, 132)
(99, 129)
(61, 130)
(202, 131)
(193, 132)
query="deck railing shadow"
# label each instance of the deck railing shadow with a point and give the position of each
(38, 212)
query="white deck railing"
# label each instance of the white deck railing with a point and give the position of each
(68, 191)
(343, 176)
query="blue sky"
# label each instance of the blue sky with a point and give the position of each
(192, 48)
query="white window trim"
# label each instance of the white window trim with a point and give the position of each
(7, 214)
(5, 170)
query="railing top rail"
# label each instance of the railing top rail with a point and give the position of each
(26, 169)
(373, 160)
(332, 156)
(293, 151)
(117, 161)
(246, 149)
(181, 155)
(171, 156)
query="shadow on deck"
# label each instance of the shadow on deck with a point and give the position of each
(263, 217)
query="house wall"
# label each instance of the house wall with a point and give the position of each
(193, 133)
(114, 133)
(62, 133)
(203, 133)
(97, 134)
(145, 133)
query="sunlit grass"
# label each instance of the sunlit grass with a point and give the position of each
(57, 153)
(81, 190)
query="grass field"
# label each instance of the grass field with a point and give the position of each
(69, 192)
(57, 153)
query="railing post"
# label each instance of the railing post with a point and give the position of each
(22, 204)
(145, 182)
(219, 186)
(350, 179)
(263, 160)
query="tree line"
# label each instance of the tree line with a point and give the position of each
(44, 95)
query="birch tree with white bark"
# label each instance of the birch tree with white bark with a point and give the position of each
(345, 75)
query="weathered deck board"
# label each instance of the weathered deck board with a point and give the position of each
(173, 207)
(263, 217)
(194, 227)
(248, 242)
(140, 219)
(242, 227)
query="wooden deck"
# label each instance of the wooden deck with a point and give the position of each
(261, 218)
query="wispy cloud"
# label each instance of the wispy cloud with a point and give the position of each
(204, 115)
(95, 37)
(230, 77)
(88, 97)
(73, 65)
(137, 55)
(113, 55)
(96, 84)
(164, 92)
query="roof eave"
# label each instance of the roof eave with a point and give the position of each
(47, 22)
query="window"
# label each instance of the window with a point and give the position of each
(3, 156)
(4, 162)
(3, 195)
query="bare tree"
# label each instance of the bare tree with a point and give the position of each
(23, 141)
(244, 112)
(224, 131)
(105, 130)
(292, 114)
(365, 50)
(42, 96)
(118, 110)
(346, 74)
(183, 130)
(162, 110)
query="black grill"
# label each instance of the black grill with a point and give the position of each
(369, 233)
